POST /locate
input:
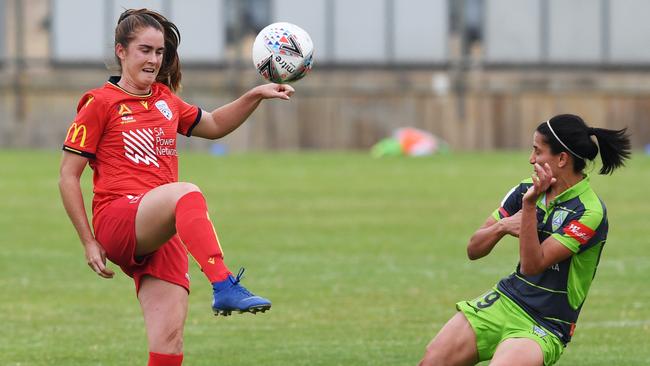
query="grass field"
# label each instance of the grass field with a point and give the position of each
(362, 258)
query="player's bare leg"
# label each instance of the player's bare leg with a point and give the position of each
(164, 306)
(518, 351)
(180, 208)
(454, 345)
(155, 222)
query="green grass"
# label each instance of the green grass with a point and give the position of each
(362, 258)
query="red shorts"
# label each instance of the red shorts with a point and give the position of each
(115, 231)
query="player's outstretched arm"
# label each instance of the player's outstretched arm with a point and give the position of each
(69, 185)
(227, 118)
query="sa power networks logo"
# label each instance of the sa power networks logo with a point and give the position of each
(147, 144)
(579, 232)
(139, 146)
(164, 109)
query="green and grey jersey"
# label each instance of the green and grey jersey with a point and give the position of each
(577, 218)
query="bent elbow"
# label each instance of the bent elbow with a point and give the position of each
(473, 253)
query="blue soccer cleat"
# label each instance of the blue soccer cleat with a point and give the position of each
(230, 295)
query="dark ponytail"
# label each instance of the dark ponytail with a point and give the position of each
(133, 20)
(569, 133)
(614, 148)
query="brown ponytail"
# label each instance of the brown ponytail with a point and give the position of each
(133, 20)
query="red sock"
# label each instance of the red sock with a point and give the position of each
(159, 359)
(195, 229)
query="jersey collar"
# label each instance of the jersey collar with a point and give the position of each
(572, 192)
(113, 80)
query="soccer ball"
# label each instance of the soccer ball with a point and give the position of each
(283, 52)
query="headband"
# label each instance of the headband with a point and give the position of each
(548, 123)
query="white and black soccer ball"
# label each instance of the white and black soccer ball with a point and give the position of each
(283, 52)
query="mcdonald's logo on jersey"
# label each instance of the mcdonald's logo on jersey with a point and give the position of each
(76, 129)
(124, 110)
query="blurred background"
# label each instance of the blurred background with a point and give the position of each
(363, 258)
(480, 74)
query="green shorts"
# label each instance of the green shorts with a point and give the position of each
(495, 318)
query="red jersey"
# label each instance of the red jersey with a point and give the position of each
(130, 139)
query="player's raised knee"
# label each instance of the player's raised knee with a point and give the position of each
(183, 188)
(189, 187)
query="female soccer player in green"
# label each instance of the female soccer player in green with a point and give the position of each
(529, 316)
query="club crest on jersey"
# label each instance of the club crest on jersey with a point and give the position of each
(164, 109)
(558, 219)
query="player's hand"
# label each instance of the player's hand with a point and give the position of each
(542, 181)
(511, 224)
(280, 91)
(96, 259)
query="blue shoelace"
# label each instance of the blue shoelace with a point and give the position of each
(235, 283)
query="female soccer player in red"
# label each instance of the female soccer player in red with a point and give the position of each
(144, 220)
(530, 315)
